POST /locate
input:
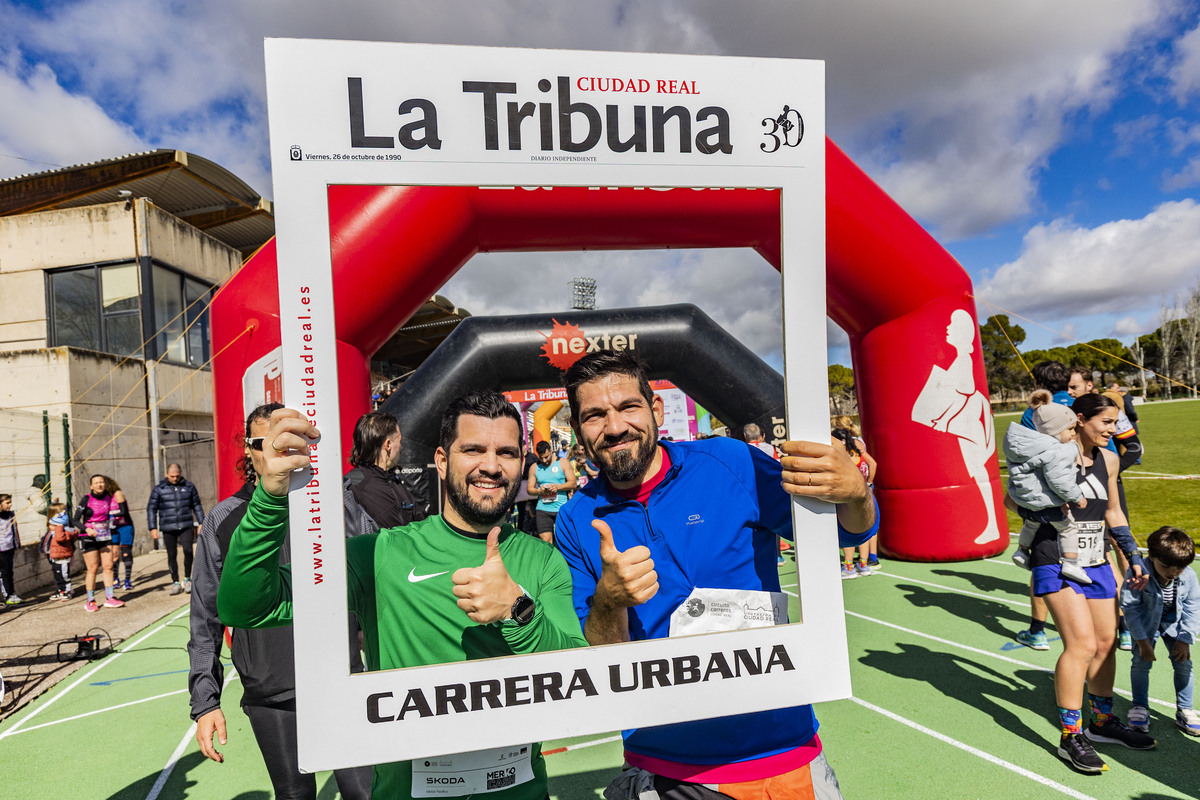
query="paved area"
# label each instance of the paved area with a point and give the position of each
(30, 633)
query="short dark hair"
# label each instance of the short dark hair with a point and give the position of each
(1172, 547)
(486, 403)
(244, 464)
(1089, 405)
(1051, 375)
(370, 432)
(542, 447)
(1083, 372)
(597, 365)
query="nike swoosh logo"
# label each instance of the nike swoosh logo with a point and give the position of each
(413, 577)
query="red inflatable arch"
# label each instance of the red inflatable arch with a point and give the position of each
(891, 287)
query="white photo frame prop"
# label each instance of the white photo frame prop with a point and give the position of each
(766, 105)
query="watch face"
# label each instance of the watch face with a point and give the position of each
(522, 610)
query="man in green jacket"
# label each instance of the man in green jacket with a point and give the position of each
(512, 592)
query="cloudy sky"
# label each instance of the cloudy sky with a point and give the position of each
(1053, 148)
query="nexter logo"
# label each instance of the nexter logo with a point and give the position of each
(567, 343)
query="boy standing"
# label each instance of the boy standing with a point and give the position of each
(1169, 607)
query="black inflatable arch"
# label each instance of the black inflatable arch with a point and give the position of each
(679, 343)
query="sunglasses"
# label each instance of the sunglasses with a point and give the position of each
(255, 442)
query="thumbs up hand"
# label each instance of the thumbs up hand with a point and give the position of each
(486, 593)
(627, 577)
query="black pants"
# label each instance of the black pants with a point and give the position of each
(62, 574)
(184, 539)
(275, 729)
(6, 572)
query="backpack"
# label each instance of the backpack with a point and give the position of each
(47, 540)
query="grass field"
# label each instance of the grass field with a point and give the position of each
(1170, 433)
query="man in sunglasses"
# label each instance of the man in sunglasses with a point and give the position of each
(512, 591)
(264, 659)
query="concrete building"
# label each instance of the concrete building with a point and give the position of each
(106, 273)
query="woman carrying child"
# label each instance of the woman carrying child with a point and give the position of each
(1086, 614)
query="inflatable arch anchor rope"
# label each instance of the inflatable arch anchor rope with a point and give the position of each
(902, 299)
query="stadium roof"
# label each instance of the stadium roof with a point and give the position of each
(200, 192)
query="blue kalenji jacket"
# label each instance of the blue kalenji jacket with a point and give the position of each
(711, 523)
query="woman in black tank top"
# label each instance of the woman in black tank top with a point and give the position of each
(1086, 616)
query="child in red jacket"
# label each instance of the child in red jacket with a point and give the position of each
(62, 547)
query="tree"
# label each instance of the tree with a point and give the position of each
(841, 388)
(1189, 329)
(1168, 334)
(1137, 354)
(1002, 363)
(1103, 355)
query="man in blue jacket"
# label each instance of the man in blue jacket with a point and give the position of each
(174, 509)
(666, 519)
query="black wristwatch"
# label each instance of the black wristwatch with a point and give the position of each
(523, 610)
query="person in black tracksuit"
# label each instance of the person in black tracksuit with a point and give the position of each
(373, 481)
(264, 658)
(173, 504)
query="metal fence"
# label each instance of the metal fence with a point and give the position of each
(34, 464)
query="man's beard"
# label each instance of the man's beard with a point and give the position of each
(625, 465)
(458, 495)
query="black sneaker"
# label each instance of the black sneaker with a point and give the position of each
(1113, 731)
(1075, 748)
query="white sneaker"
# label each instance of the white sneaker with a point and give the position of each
(1138, 719)
(1188, 721)
(1075, 573)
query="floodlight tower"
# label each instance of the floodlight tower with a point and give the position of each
(583, 294)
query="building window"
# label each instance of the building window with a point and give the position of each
(181, 302)
(96, 308)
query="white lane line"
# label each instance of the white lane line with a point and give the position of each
(1067, 790)
(993, 598)
(170, 767)
(556, 750)
(108, 660)
(101, 711)
(165, 775)
(997, 656)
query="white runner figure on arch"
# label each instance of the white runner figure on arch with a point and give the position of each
(950, 403)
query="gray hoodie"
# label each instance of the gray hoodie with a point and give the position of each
(1041, 469)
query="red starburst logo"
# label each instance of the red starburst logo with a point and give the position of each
(564, 345)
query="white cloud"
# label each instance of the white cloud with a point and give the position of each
(1069, 271)
(737, 288)
(1184, 178)
(936, 98)
(1127, 326)
(1182, 134)
(1185, 74)
(50, 126)
(1067, 333)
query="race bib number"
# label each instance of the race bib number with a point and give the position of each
(1090, 537)
(100, 531)
(478, 772)
(713, 610)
